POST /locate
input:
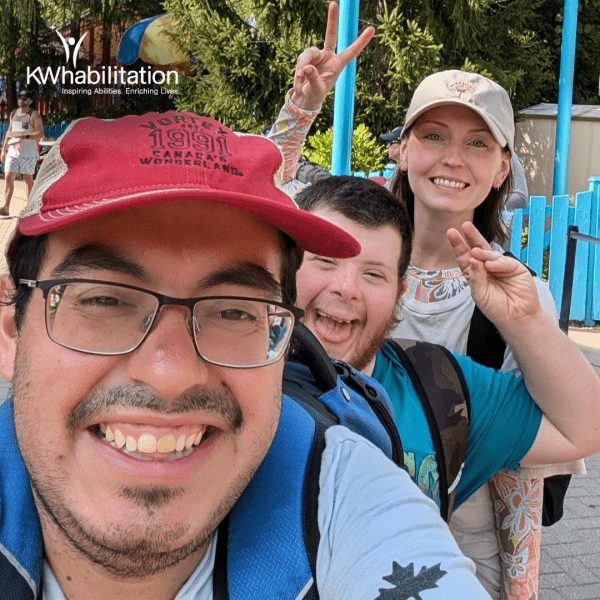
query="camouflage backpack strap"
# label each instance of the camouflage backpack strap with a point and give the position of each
(441, 387)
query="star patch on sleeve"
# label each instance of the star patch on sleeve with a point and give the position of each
(408, 585)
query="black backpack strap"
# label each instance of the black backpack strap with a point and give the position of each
(442, 390)
(309, 372)
(309, 351)
(220, 582)
(485, 344)
(555, 490)
(310, 506)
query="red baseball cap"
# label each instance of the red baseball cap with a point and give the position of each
(98, 167)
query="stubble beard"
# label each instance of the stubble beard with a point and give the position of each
(139, 549)
(365, 355)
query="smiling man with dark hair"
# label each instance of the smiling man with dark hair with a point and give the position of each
(150, 306)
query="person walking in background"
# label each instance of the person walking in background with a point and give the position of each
(517, 198)
(20, 148)
(392, 143)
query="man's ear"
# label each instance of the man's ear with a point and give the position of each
(402, 285)
(8, 329)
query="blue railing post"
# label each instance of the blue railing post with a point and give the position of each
(565, 96)
(343, 106)
(592, 311)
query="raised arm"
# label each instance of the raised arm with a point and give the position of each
(315, 75)
(318, 70)
(557, 374)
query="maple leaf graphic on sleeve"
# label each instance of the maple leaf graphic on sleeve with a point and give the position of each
(408, 585)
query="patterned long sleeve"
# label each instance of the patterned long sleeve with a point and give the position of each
(289, 132)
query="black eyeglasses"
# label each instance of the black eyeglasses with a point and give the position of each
(107, 318)
(392, 143)
(23, 97)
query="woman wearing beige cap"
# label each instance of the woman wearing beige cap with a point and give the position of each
(454, 167)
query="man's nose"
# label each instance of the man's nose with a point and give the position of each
(167, 360)
(344, 283)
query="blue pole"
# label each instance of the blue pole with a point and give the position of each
(565, 96)
(343, 106)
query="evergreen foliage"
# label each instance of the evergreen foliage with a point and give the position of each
(367, 154)
(21, 27)
(27, 39)
(247, 51)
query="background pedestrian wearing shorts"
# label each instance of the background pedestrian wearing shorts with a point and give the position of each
(20, 147)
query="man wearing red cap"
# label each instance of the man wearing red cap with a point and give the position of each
(150, 270)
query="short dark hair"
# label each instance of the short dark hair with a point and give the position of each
(486, 216)
(363, 201)
(24, 262)
(26, 259)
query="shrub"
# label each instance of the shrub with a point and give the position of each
(367, 153)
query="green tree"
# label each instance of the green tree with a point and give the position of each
(246, 52)
(247, 49)
(367, 154)
(21, 29)
(113, 16)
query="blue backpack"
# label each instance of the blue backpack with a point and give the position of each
(267, 545)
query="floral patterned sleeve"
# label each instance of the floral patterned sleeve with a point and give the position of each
(518, 507)
(289, 132)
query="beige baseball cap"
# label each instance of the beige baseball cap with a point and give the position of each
(488, 99)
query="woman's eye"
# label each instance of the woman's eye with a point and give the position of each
(478, 144)
(434, 137)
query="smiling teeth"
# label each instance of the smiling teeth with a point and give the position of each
(448, 183)
(147, 442)
(326, 316)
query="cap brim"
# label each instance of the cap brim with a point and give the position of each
(310, 232)
(435, 103)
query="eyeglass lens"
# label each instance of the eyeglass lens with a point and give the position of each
(109, 319)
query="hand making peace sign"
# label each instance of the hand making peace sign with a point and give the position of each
(317, 70)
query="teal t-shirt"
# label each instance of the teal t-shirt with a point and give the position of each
(502, 428)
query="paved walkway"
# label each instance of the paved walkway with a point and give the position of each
(17, 204)
(570, 562)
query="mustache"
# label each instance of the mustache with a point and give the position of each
(224, 405)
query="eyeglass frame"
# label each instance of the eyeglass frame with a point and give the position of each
(45, 285)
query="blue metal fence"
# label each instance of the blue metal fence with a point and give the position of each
(50, 131)
(547, 226)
